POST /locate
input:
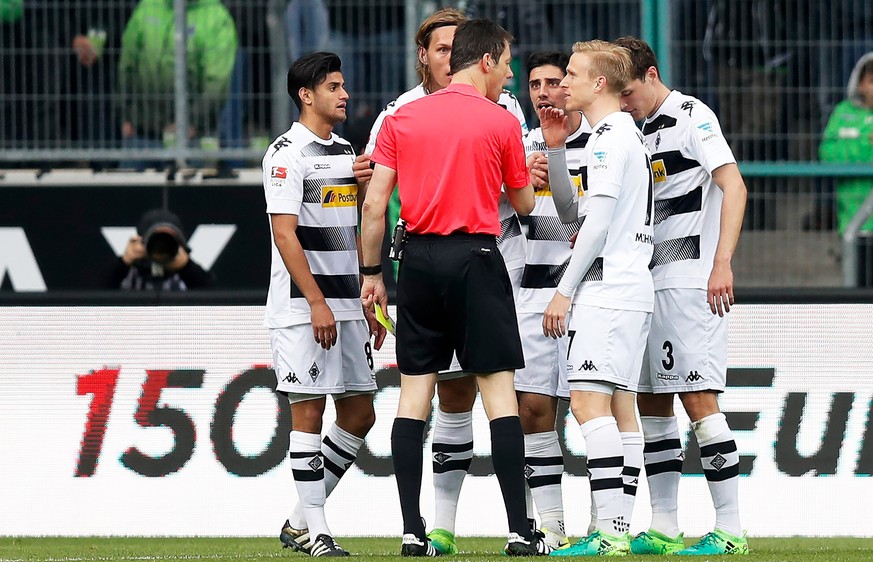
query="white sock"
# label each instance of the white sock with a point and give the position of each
(632, 447)
(544, 467)
(307, 465)
(339, 448)
(663, 458)
(721, 466)
(452, 454)
(605, 465)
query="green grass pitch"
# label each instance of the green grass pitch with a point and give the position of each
(87, 549)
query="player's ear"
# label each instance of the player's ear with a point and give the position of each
(305, 96)
(422, 55)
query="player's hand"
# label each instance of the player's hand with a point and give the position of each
(361, 169)
(538, 166)
(377, 330)
(555, 316)
(720, 289)
(573, 239)
(323, 324)
(134, 251)
(555, 126)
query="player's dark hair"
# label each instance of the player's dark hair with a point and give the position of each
(476, 38)
(548, 58)
(642, 56)
(309, 71)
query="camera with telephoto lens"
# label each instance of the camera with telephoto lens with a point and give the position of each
(162, 236)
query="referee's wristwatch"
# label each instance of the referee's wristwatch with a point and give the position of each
(371, 269)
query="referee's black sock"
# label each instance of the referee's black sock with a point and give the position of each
(507, 454)
(407, 449)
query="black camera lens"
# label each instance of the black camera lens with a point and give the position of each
(161, 247)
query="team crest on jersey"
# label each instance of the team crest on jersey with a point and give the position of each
(659, 171)
(339, 196)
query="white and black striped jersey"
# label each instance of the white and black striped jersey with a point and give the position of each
(312, 178)
(510, 242)
(619, 166)
(548, 239)
(687, 144)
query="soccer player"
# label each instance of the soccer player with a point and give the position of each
(452, 448)
(319, 335)
(544, 377)
(607, 280)
(700, 200)
(453, 292)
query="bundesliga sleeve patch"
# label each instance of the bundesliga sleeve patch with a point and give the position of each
(279, 173)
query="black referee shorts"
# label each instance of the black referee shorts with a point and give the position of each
(454, 294)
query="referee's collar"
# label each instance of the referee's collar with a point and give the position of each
(463, 89)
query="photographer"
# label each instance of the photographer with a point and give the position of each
(157, 258)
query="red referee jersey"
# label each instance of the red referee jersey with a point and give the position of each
(452, 150)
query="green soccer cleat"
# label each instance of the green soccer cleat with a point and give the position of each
(717, 542)
(653, 542)
(443, 541)
(597, 543)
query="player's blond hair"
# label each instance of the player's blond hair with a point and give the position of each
(608, 60)
(441, 18)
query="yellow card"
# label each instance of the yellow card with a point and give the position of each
(384, 320)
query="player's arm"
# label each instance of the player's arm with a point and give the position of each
(373, 232)
(556, 128)
(590, 242)
(720, 289)
(285, 237)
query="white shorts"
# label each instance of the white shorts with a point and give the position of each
(687, 350)
(606, 345)
(545, 359)
(303, 367)
(454, 371)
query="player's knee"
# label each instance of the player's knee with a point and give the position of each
(698, 405)
(656, 405)
(457, 396)
(537, 412)
(307, 416)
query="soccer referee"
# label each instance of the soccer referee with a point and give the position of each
(450, 152)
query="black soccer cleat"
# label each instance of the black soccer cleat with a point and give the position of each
(414, 546)
(295, 539)
(516, 545)
(324, 545)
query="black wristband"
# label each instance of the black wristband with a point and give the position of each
(371, 269)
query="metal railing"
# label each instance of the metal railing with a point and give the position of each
(772, 70)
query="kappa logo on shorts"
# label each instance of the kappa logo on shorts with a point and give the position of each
(528, 471)
(292, 378)
(588, 366)
(313, 371)
(693, 376)
(667, 377)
